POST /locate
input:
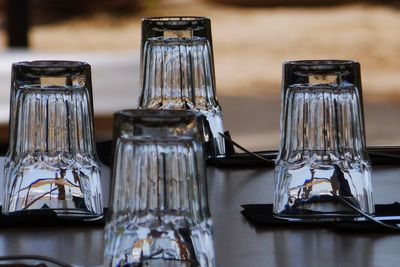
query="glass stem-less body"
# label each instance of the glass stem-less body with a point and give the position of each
(322, 157)
(178, 72)
(52, 161)
(159, 212)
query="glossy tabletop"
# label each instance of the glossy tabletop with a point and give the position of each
(237, 242)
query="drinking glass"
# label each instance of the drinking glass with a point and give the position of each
(51, 161)
(158, 213)
(178, 72)
(322, 159)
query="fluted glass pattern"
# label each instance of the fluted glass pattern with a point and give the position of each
(158, 212)
(52, 161)
(178, 71)
(322, 155)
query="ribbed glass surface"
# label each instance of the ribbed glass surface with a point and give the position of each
(178, 73)
(159, 213)
(52, 162)
(323, 119)
(322, 155)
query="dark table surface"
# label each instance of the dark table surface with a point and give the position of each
(237, 243)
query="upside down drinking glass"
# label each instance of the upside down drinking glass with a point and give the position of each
(51, 161)
(178, 71)
(158, 213)
(322, 159)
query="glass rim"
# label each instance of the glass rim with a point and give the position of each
(51, 65)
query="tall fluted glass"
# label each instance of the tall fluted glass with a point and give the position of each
(178, 71)
(323, 158)
(159, 213)
(51, 161)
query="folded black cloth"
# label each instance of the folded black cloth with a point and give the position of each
(46, 218)
(379, 155)
(261, 216)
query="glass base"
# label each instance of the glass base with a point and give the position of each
(65, 214)
(168, 263)
(323, 208)
(317, 189)
(64, 187)
(330, 217)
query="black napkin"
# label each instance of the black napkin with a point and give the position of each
(45, 218)
(379, 155)
(261, 215)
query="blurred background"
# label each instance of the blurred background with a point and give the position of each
(251, 40)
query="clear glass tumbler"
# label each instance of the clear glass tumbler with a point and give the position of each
(51, 161)
(158, 213)
(178, 71)
(322, 159)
